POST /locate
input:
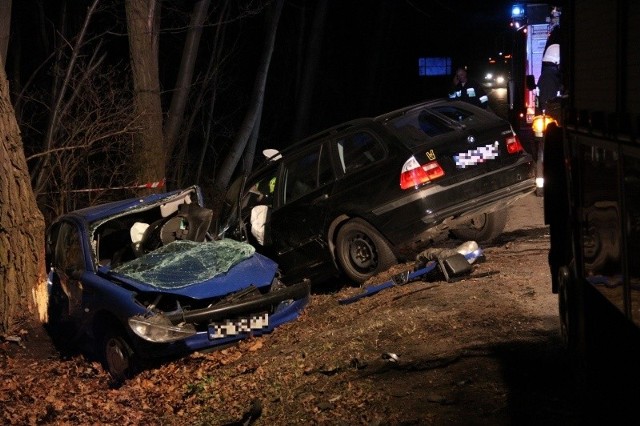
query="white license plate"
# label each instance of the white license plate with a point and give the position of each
(476, 156)
(238, 326)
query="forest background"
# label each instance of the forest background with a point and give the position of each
(105, 100)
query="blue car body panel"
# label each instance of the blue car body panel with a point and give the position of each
(88, 292)
(258, 270)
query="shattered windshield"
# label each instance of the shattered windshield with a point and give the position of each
(182, 263)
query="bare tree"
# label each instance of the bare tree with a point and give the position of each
(5, 16)
(41, 171)
(248, 125)
(94, 142)
(87, 143)
(206, 98)
(185, 74)
(143, 19)
(22, 261)
(312, 59)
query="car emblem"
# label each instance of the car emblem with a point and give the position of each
(431, 155)
(471, 139)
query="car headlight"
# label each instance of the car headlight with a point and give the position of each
(500, 79)
(158, 329)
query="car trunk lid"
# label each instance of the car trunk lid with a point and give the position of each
(455, 151)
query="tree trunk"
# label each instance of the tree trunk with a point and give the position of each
(212, 75)
(312, 59)
(22, 261)
(143, 18)
(374, 72)
(250, 150)
(5, 18)
(185, 75)
(240, 142)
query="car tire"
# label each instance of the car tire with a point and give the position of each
(568, 312)
(361, 251)
(482, 228)
(118, 357)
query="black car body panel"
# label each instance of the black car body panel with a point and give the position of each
(354, 171)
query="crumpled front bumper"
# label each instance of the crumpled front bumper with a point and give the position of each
(289, 301)
(248, 305)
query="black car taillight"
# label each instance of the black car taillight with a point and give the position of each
(414, 174)
(513, 144)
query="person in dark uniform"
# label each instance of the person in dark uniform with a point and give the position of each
(550, 81)
(468, 90)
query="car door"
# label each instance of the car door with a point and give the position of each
(366, 176)
(298, 224)
(67, 263)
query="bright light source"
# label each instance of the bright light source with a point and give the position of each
(489, 76)
(517, 11)
(540, 123)
(539, 182)
(499, 79)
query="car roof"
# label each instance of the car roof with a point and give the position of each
(103, 211)
(359, 122)
(434, 103)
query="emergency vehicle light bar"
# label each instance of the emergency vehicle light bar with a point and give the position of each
(517, 11)
(519, 17)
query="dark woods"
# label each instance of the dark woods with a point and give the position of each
(116, 98)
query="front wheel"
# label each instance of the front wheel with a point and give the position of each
(568, 311)
(117, 356)
(482, 228)
(362, 252)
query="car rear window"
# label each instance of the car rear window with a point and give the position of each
(417, 126)
(453, 112)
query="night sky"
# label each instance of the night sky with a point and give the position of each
(367, 66)
(382, 41)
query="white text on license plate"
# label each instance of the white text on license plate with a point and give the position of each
(238, 326)
(476, 156)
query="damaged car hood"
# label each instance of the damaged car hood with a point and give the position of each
(196, 270)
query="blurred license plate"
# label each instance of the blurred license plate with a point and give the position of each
(237, 326)
(476, 156)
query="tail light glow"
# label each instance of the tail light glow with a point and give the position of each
(513, 144)
(414, 174)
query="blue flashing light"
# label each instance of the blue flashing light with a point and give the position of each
(517, 11)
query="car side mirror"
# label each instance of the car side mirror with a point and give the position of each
(530, 82)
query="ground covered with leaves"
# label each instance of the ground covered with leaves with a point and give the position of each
(483, 350)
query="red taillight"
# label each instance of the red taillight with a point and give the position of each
(414, 174)
(513, 144)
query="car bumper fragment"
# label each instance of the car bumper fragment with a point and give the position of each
(247, 306)
(421, 217)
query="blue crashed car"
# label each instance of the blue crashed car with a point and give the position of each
(142, 278)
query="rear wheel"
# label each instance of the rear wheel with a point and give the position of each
(362, 252)
(568, 309)
(482, 228)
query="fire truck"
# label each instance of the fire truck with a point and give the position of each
(592, 203)
(532, 25)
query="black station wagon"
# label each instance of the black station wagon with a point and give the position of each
(353, 198)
